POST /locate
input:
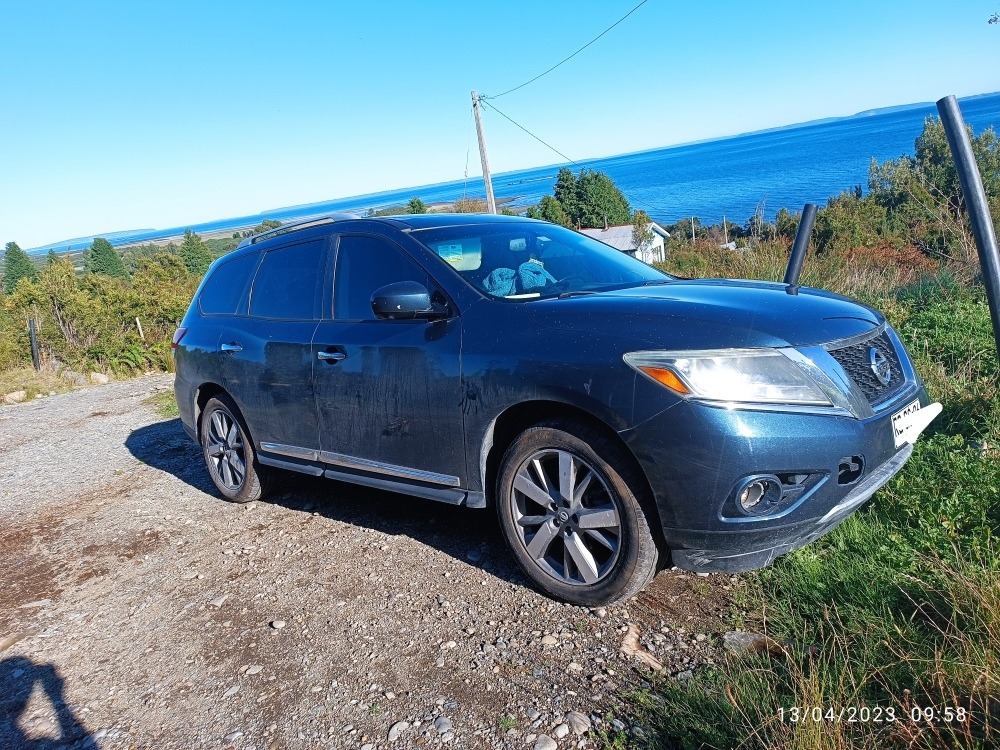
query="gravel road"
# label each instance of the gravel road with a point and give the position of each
(139, 610)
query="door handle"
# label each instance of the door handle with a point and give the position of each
(231, 348)
(331, 356)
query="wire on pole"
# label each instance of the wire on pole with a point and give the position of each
(553, 148)
(565, 60)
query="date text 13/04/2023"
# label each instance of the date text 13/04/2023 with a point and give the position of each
(873, 714)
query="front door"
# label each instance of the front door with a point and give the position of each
(388, 392)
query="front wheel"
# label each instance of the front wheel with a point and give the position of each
(567, 503)
(229, 453)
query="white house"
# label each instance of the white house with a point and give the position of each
(621, 237)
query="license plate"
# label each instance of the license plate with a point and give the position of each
(904, 420)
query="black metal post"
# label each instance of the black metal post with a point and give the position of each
(801, 244)
(33, 335)
(975, 201)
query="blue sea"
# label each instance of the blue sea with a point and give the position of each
(726, 177)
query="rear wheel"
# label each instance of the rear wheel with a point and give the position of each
(567, 502)
(229, 453)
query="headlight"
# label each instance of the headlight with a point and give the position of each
(749, 376)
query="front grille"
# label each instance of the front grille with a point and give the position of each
(856, 362)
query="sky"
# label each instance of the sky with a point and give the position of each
(132, 115)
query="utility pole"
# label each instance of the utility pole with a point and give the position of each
(491, 203)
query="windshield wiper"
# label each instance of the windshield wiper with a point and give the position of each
(565, 295)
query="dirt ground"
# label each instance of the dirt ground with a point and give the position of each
(139, 610)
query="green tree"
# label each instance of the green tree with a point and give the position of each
(850, 221)
(51, 257)
(416, 206)
(600, 201)
(922, 195)
(565, 192)
(590, 200)
(102, 258)
(194, 253)
(550, 209)
(16, 266)
(642, 233)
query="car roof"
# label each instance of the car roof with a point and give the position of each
(439, 220)
(403, 222)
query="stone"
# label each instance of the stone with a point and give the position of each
(99, 378)
(544, 742)
(448, 645)
(579, 723)
(15, 398)
(560, 731)
(219, 600)
(549, 640)
(233, 736)
(278, 624)
(737, 641)
(254, 669)
(442, 724)
(231, 692)
(397, 729)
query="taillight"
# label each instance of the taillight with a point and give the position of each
(178, 335)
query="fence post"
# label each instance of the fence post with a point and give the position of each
(139, 326)
(976, 202)
(33, 335)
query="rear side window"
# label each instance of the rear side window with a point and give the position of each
(288, 284)
(226, 287)
(365, 264)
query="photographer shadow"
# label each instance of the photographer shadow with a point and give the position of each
(19, 679)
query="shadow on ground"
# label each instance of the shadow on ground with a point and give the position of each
(19, 680)
(468, 534)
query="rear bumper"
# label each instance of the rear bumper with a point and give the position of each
(184, 393)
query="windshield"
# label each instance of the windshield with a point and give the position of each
(534, 260)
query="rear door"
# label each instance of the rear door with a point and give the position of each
(388, 392)
(268, 359)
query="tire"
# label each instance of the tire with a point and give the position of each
(593, 548)
(229, 454)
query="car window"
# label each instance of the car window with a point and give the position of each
(365, 264)
(531, 260)
(225, 288)
(288, 282)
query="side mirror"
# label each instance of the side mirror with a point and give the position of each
(404, 300)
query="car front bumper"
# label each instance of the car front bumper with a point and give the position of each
(696, 456)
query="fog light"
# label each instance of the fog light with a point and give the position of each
(758, 493)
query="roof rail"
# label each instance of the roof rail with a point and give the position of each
(296, 226)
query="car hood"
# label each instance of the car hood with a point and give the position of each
(711, 313)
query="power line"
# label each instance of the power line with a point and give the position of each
(497, 96)
(483, 101)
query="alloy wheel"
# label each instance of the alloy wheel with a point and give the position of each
(566, 517)
(225, 450)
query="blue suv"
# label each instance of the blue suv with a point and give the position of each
(616, 417)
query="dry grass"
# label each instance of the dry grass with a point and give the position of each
(33, 383)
